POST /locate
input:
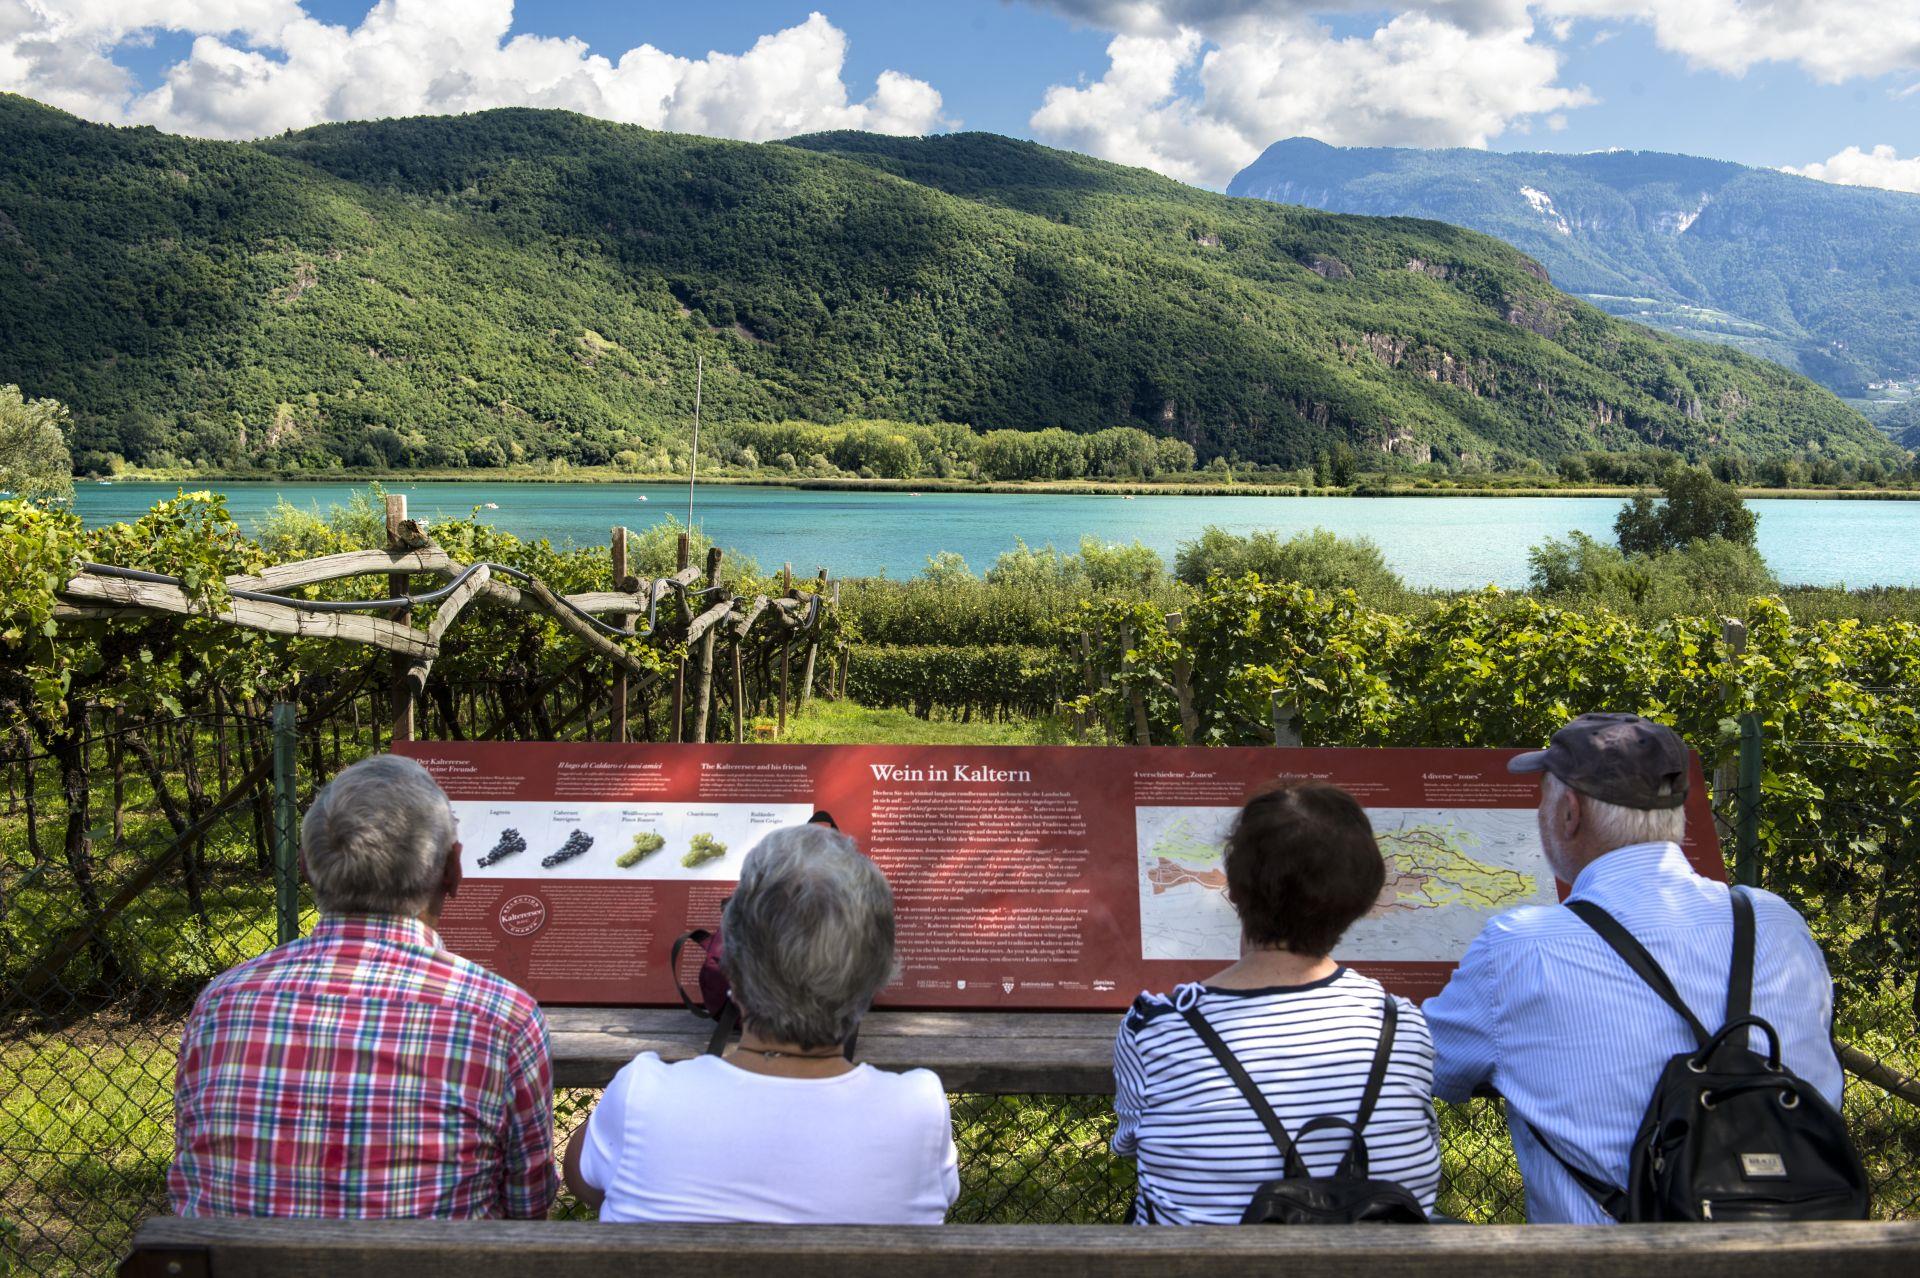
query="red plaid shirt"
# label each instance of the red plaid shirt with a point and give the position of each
(363, 1071)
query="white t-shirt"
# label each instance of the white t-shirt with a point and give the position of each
(705, 1141)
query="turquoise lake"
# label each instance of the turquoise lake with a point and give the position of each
(1446, 542)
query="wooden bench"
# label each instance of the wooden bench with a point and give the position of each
(172, 1248)
(998, 1053)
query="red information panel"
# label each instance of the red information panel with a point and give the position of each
(1024, 877)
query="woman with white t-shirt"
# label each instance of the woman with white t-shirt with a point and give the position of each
(1302, 866)
(783, 1129)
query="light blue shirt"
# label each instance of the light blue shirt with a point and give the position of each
(1544, 1010)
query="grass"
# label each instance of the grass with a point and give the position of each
(843, 723)
(86, 1132)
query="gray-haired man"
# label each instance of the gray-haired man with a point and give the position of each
(1544, 1011)
(363, 1070)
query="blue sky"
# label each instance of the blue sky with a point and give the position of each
(1191, 87)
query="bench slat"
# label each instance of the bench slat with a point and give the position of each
(456, 1249)
(998, 1053)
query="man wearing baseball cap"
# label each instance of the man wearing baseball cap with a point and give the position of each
(1542, 1011)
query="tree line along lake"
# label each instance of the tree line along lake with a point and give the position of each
(1448, 543)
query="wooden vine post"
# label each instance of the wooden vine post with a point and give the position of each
(1726, 776)
(1183, 686)
(813, 643)
(402, 689)
(786, 647)
(739, 694)
(1093, 688)
(617, 727)
(680, 670)
(1143, 736)
(703, 693)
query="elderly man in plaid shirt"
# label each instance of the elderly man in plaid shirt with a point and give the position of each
(365, 1071)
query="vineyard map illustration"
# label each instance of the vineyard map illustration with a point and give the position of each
(1448, 871)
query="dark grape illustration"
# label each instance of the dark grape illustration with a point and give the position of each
(511, 843)
(576, 845)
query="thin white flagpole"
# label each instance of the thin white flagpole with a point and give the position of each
(693, 463)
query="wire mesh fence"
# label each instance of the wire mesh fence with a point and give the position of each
(137, 861)
(1846, 853)
(140, 860)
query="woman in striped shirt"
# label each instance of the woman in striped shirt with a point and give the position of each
(1302, 865)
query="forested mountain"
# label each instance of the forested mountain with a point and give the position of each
(518, 285)
(1822, 278)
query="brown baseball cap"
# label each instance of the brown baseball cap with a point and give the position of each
(1617, 758)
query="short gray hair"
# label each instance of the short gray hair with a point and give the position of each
(376, 839)
(1611, 825)
(809, 936)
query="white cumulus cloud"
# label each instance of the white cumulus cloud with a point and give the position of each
(1196, 88)
(260, 66)
(1199, 105)
(1832, 40)
(1880, 167)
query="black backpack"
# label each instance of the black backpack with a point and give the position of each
(1729, 1134)
(1349, 1196)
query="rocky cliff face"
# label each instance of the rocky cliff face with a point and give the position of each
(1822, 278)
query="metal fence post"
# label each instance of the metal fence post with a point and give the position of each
(1746, 865)
(286, 832)
(1286, 722)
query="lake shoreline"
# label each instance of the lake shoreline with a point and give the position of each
(1090, 488)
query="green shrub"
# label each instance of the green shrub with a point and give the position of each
(1703, 575)
(1044, 569)
(33, 446)
(1694, 506)
(1319, 559)
(1111, 566)
(971, 682)
(948, 571)
(654, 552)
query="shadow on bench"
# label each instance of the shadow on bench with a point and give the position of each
(167, 1247)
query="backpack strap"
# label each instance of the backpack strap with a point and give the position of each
(1635, 956)
(723, 1026)
(1609, 1197)
(1355, 1161)
(1294, 1169)
(699, 936)
(1382, 1055)
(1740, 975)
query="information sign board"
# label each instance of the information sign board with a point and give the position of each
(1024, 877)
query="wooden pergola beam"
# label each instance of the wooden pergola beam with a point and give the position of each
(249, 614)
(351, 563)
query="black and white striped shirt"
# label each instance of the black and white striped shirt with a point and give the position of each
(1201, 1149)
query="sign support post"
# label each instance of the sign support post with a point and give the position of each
(617, 728)
(1746, 863)
(286, 830)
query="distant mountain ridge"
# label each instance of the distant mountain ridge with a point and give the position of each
(523, 287)
(1822, 278)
